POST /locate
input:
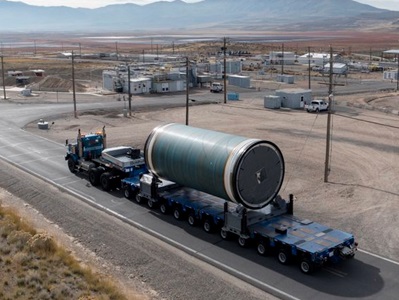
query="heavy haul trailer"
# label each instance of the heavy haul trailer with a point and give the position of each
(273, 230)
(104, 166)
(224, 182)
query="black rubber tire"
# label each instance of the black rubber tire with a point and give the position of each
(127, 192)
(207, 225)
(306, 266)
(150, 204)
(261, 248)
(138, 199)
(242, 242)
(177, 213)
(105, 180)
(94, 176)
(225, 234)
(163, 208)
(283, 257)
(192, 221)
(71, 165)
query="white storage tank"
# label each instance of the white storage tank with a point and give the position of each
(285, 78)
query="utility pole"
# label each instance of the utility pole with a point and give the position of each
(397, 74)
(80, 50)
(224, 72)
(282, 60)
(129, 91)
(187, 89)
(309, 66)
(34, 43)
(116, 50)
(3, 77)
(73, 87)
(143, 56)
(328, 137)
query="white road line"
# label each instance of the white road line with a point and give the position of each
(379, 256)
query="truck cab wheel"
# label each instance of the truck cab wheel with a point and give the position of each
(150, 203)
(138, 199)
(163, 208)
(262, 249)
(105, 180)
(71, 165)
(242, 241)
(177, 214)
(224, 234)
(94, 177)
(127, 192)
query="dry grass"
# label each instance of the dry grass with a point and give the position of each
(33, 266)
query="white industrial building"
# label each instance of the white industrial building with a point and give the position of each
(318, 59)
(278, 57)
(294, 98)
(338, 68)
(138, 85)
(240, 81)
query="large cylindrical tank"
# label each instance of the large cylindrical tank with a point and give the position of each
(245, 171)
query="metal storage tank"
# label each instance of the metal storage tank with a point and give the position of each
(294, 98)
(272, 102)
(240, 81)
(237, 169)
(285, 78)
(233, 66)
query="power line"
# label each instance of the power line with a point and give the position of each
(367, 121)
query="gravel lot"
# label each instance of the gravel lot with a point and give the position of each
(362, 195)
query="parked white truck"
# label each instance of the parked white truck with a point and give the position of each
(216, 87)
(316, 106)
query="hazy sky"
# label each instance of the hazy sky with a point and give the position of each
(387, 4)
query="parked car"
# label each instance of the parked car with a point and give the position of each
(316, 106)
(216, 87)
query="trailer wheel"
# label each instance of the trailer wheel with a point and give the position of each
(163, 208)
(94, 177)
(306, 266)
(71, 165)
(224, 234)
(283, 257)
(138, 199)
(177, 214)
(208, 225)
(191, 219)
(261, 248)
(242, 241)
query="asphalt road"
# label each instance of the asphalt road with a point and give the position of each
(367, 276)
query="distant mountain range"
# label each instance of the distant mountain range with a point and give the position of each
(178, 15)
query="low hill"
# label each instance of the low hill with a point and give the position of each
(179, 15)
